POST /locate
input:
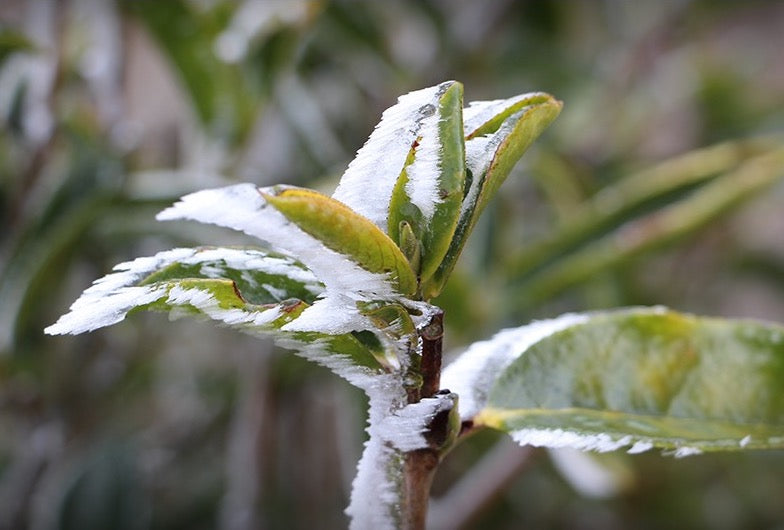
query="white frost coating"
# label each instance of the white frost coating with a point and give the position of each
(110, 298)
(425, 170)
(404, 429)
(745, 441)
(393, 427)
(334, 315)
(640, 447)
(481, 150)
(243, 208)
(375, 492)
(96, 309)
(556, 438)
(367, 184)
(682, 452)
(473, 373)
(480, 112)
(205, 302)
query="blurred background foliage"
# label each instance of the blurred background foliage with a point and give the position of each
(659, 184)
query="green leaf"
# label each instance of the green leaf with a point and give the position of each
(341, 229)
(645, 378)
(498, 134)
(427, 196)
(540, 275)
(264, 277)
(218, 283)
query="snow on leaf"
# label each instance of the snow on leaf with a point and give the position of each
(485, 117)
(146, 280)
(427, 197)
(366, 186)
(242, 207)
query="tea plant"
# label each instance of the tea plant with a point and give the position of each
(346, 281)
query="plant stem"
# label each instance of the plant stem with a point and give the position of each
(432, 336)
(421, 465)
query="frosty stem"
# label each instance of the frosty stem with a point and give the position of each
(421, 464)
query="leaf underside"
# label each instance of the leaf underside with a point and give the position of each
(646, 378)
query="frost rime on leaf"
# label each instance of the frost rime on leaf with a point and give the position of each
(367, 184)
(423, 173)
(110, 298)
(243, 208)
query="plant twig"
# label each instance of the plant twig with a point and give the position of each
(421, 465)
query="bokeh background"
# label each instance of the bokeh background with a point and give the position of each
(110, 110)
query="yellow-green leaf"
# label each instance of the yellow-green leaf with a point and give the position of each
(341, 229)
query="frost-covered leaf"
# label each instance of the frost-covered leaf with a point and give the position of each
(344, 231)
(347, 282)
(366, 186)
(497, 135)
(637, 378)
(426, 200)
(253, 290)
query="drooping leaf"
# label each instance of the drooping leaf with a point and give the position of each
(497, 135)
(344, 231)
(428, 194)
(367, 185)
(253, 290)
(639, 378)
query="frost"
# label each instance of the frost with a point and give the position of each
(205, 302)
(481, 150)
(110, 298)
(367, 184)
(375, 492)
(480, 112)
(682, 452)
(640, 447)
(424, 171)
(404, 429)
(555, 438)
(745, 441)
(334, 314)
(97, 308)
(473, 373)
(243, 208)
